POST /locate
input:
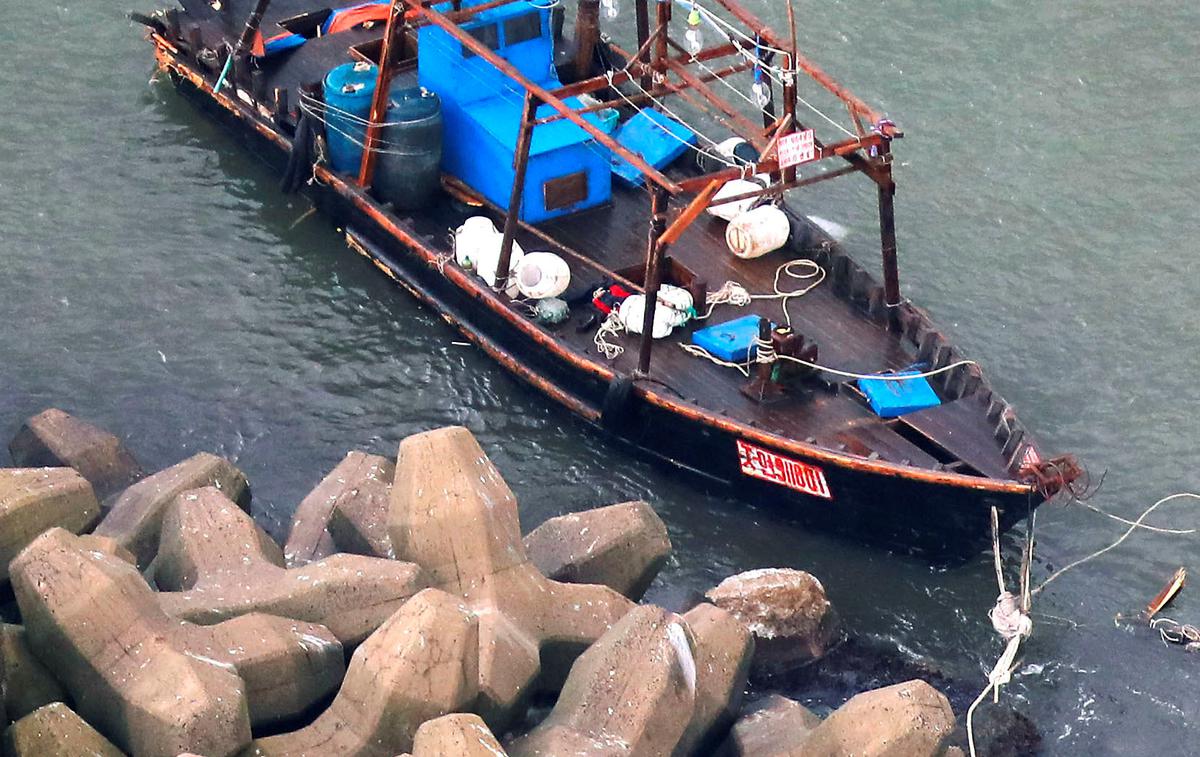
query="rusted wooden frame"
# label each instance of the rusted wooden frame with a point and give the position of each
(655, 250)
(688, 215)
(757, 27)
(704, 106)
(777, 188)
(766, 165)
(520, 164)
(379, 100)
(640, 97)
(642, 19)
(503, 66)
(594, 83)
(466, 14)
(751, 130)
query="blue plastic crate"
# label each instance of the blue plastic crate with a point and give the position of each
(658, 139)
(731, 341)
(890, 398)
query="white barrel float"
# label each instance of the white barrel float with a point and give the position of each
(542, 274)
(477, 245)
(674, 308)
(757, 232)
(732, 188)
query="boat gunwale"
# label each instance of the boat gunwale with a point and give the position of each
(169, 57)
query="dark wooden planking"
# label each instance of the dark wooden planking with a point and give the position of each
(962, 428)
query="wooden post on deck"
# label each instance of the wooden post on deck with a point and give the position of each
(587, 34)
(654, 255)
(789, 87)
(662, 14)
(379, 102)
(887, 227)
(642, 11)
(520, 163)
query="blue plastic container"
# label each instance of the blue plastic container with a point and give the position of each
(732, 341)
(657, 138)
(890, 398)
(349, 89)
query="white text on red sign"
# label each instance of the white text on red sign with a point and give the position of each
(769, 466)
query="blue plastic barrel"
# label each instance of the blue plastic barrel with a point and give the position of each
(349, 89)
(408, 174)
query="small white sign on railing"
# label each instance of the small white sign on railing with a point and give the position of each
(796, 148)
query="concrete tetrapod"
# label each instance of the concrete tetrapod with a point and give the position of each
(93, 621)
(774, 728)
(419, 665)
(56, 731)
(152, 684)
(215, 554)
(631, 694)
(53, 438)
(135, 518)
(620, 546)
(454, 516)
(458, 735)
(35, 499)
(909, 719)
(358, 486)
(724, 648)
(26, 682)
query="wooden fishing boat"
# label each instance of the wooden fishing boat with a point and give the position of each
(568, 146)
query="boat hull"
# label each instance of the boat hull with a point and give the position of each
(939, 516)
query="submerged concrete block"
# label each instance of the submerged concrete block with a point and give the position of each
(776, 727)
(26, 682)
(214, 551)
(620, 546)
(33, 500)
(358, 485)
(787, 611)
(93, 621)
(458, 735)
(419, 665)
(56, 731)
(452, 514)
(909, 719)
(724, 648)
(631, 694)
(136, 516)
(53, 438)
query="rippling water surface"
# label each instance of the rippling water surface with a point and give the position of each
(156, 282)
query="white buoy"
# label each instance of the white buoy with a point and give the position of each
(757, 232)
(732, 188)
(542, 274)
(477, 245)
(673, 309)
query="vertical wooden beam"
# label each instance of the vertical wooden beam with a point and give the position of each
(587, 34)
(643, 35)
(789, 85)
(662, 11)
(380, 100)
(654, 256)
(520, 163)
(887, 227)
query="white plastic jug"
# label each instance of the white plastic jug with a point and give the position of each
(757, 232)
(477, 245)
(732, 188)
(673, 309)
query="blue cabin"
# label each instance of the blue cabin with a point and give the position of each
(567, 170)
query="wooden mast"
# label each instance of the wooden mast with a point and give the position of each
(655, 250)
(887, 226)
(379, 101)
(520, 163)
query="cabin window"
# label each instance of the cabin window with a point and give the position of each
(565, 191)
(522, 28)
(488, 34)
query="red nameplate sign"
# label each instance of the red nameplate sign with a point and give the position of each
(769, 466)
